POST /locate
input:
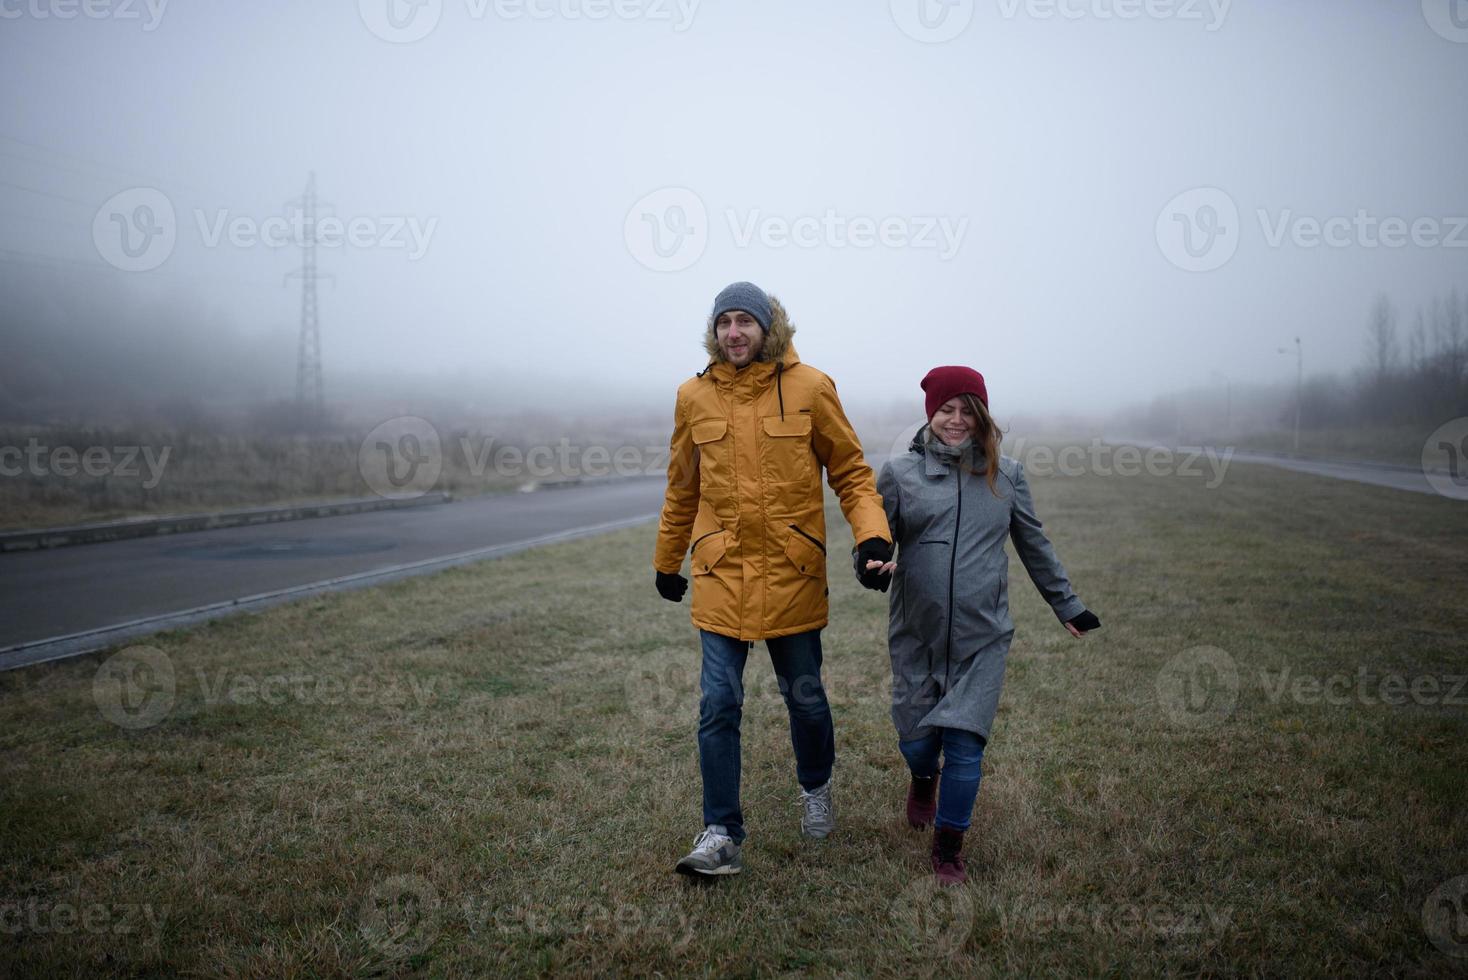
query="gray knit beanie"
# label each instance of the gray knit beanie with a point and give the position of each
(744, 296)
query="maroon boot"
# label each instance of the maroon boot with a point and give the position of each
(922, 801)
(948, 856)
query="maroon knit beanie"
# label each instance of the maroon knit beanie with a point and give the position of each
(942, 383)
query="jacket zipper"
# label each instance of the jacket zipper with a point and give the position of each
(702, 536)
(807, 537)
(952, 561)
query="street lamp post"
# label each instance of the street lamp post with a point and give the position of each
(1299, 353)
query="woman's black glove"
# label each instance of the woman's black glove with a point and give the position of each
(671, 587)
(1086, 621)
(873, 549)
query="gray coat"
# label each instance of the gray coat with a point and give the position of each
(950, 629)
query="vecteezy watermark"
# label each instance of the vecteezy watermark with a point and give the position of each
(1118, 919)
(932, 21)
(36, 916)
(388, 689)
(401, 458)
(150, 12)
(669, 229)
(1445, 916)
(1200, 230)
(386, 231)
(1448, 18)
(1097, 457)
(39, 459)
(1210, 13)
(137, 229)
(406, 21)
(832, 229)
(936, 21)
(138, 688)
(1365, 688)
(663, 689)
(934, 919)
(1445, 459)
(401, 916)
(135, 688)
(1199, 688)
(533, 920)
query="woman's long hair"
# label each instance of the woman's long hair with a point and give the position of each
(986, 440)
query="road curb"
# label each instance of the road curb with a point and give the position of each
(143, 527)
(75, 644)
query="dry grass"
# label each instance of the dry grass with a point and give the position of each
(522, 812)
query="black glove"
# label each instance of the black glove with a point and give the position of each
(873, 549)
(671, 587)
(1086, 621)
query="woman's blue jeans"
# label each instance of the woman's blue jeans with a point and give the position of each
(797, 661)
(963, 757)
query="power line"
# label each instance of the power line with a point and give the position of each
(60, 197)
(121, 170)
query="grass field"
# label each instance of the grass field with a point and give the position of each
(1258, 766)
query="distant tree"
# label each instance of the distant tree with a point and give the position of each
(1381, 341)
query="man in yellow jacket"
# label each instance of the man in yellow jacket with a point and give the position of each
(751, 434)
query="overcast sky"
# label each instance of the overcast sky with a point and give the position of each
(556, 196)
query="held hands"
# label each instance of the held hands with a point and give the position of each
(1081, 625)
(874, 564)
(671, 587)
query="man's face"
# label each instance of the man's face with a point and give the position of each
(739, 337)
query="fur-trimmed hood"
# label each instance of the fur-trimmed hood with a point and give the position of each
(778, 346)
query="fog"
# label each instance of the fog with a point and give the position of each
(547, 195)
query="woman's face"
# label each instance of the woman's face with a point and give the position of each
(953, 422)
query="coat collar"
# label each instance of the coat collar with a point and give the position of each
(938, 456)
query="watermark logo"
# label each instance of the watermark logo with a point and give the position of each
(400, 917)
(667, 230)
(39, 459)
(935, 918)
(1199, 688)
(135, 687)
(662, 691)
(832, 229)
(1448, 18)
(1198, 230)
(400, 21)
(1445, 459)
(123, 10)
(406, 21)
(135, 230)
(1445, 916)
(36, 916)
(1211, 13)
(932, 21)
(401, 458)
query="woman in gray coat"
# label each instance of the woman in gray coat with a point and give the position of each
(951, 502)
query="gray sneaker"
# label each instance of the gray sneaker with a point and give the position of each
(713, 854)
(818, 817)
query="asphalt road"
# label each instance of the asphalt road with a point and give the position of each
(1377, 474)
(64, 591)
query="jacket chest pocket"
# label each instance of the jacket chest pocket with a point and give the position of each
(715, 453)
(785, 452)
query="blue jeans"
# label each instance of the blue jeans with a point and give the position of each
(963, 757)
(797, 662)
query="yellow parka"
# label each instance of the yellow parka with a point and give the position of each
(744, 489)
